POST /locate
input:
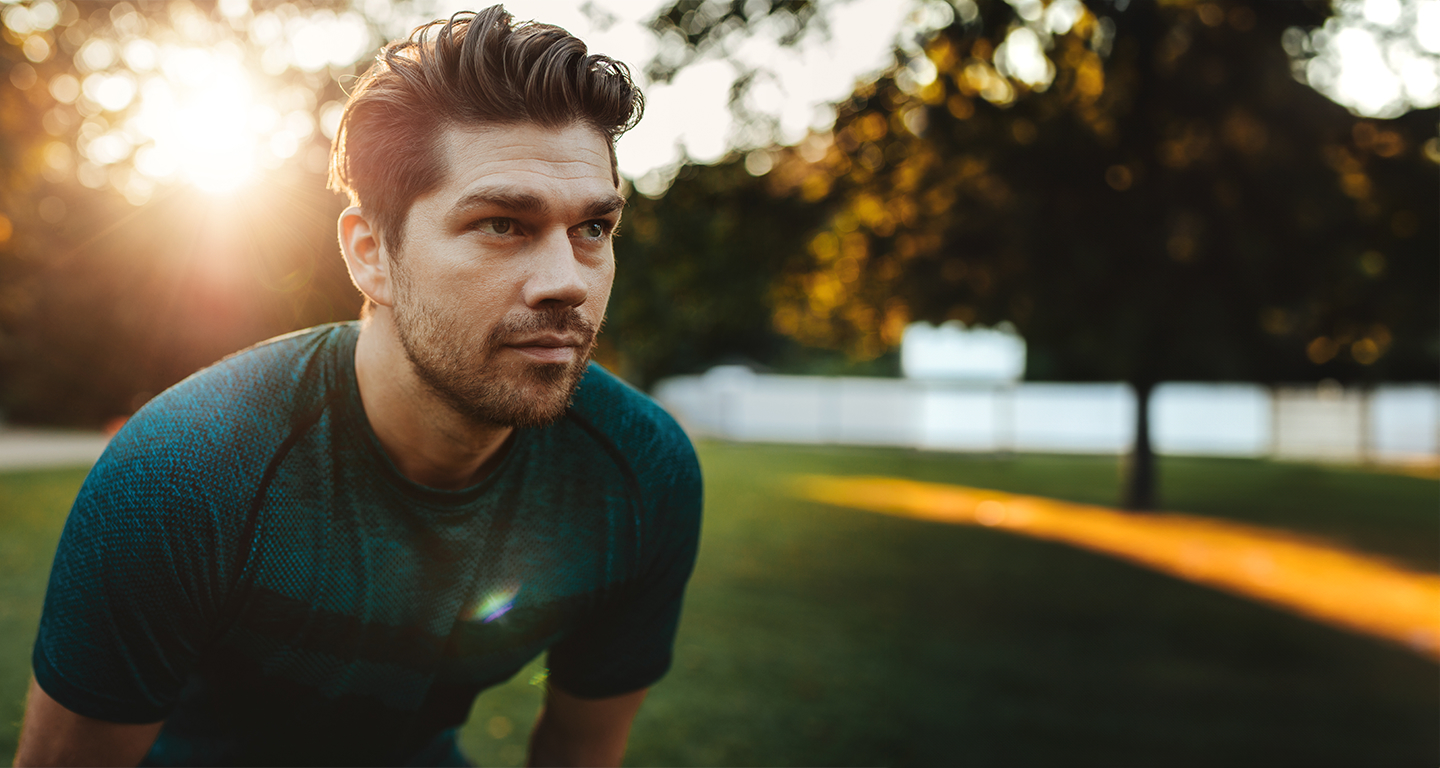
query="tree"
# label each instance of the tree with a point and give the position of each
(696, 272)
(122, 277)
(1153, 197)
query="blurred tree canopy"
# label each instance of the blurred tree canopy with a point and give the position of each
(696, 277)
(1156, 197)
(116, 282)
(1144, 189)
(694, 272)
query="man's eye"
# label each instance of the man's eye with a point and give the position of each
(495, 226)
(593, 230)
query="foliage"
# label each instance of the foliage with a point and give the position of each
(1172, 205)
(689, 29)
(694, 274)
(116, 284)
(1148, 195)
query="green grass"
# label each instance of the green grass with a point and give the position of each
(32, 511)
(822, 636)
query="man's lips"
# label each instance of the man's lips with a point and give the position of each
(550, 349)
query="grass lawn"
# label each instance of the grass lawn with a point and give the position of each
(822, 636)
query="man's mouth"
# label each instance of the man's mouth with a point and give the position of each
(549, 349)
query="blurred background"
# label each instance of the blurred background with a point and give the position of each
(1171, 255)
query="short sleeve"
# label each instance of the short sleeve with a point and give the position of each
(130, 596)
(628, 643)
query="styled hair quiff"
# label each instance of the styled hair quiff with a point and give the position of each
(474, 69)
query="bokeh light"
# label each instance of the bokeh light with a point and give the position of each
(187, 97)
(1379, 58)
(205, 96)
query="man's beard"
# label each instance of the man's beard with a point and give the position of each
(475, 379)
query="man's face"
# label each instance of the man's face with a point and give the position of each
(505, 270)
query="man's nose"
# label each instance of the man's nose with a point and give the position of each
(556, 278)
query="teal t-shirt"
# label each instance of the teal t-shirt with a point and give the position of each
(246, 563)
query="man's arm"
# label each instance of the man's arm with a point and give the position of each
(582, 732)
(53, 735)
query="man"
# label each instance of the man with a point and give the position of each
(321, 549)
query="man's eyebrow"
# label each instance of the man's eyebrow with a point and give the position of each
(500, 197)
(606, 205)
(521, 201)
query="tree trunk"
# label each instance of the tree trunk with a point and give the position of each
(1140, 478)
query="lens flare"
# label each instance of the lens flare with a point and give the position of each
(494, 605)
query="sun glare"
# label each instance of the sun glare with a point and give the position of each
(201, 122)
(182, 97)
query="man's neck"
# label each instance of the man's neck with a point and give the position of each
(428, 441)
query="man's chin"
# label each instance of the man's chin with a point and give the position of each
(535, 396)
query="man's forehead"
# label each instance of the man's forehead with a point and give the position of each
(523, 167)
(575, 150)
(570, 164)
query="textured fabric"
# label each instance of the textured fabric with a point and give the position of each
(246, 563)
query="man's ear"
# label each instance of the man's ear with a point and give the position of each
(365, 256)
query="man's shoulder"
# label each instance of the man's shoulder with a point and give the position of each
(233, 410)
(624, 414)
(274, 369)
(651, 449)
(635, 429)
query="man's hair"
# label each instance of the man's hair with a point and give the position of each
(475, 69)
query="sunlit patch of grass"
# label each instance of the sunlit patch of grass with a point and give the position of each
(1348, 589)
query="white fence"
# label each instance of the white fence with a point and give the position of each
(1388, 423)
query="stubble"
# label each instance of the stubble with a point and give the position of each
(479, 378)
